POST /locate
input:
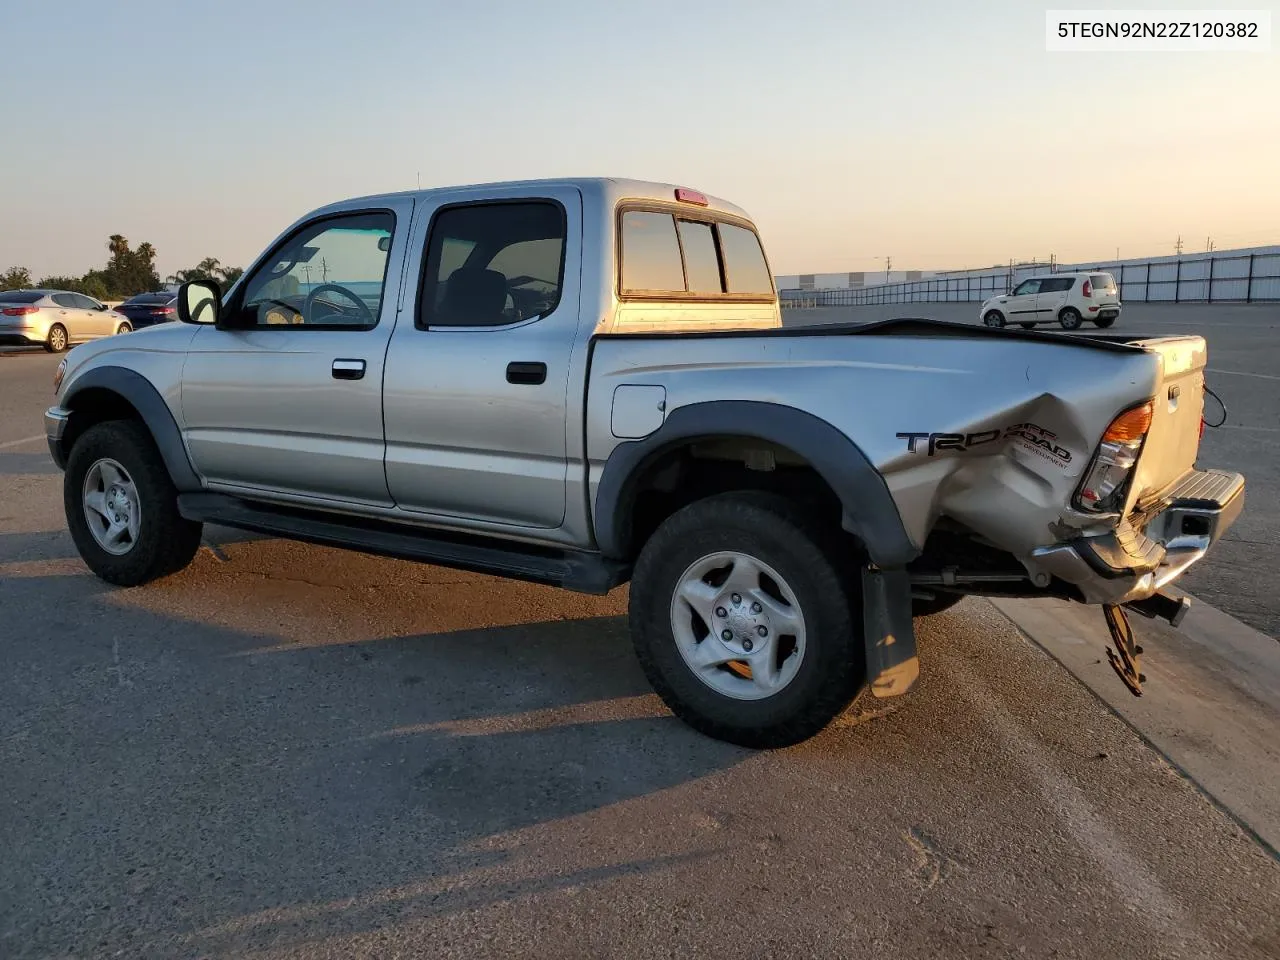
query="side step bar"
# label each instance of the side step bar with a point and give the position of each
(573, 570)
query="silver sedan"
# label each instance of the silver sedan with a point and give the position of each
(55, 319)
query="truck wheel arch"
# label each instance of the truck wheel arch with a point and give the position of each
(136, 394)
(869, 512)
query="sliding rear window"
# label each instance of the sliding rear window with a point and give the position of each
(683, 257)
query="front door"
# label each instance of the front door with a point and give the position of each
(285, 396)
(1021, 306)
(476, 385)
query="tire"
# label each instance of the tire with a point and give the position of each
(1104, 322)
(767, 529)
(1069, 318)
(993, 318)
(157, 541)
(125, 327)
(939, 603)
(57, 340)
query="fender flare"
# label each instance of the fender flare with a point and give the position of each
(869, 511)
(155, 414)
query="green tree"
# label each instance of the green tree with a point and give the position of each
(210, 268)
(15, 278)
(56, 282)
(128, 271)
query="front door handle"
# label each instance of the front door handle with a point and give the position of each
(348, 369)
(526, 372)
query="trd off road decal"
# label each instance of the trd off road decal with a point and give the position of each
(1043, 443)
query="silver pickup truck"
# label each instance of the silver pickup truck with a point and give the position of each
(587, 382)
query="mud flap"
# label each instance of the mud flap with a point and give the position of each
(892, 664)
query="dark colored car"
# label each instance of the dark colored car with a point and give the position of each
(148, 309)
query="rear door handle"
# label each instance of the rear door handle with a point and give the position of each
(348, 369)
(525, 372)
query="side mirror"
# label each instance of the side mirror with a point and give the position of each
(101, 307)
(199, 301)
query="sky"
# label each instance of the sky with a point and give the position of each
(940, 134)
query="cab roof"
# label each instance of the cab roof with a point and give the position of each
(608, 190)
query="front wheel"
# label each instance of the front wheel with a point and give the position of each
(122, 507)
(1069, 319)
(744, 621)
(125, 327)
(993, 318)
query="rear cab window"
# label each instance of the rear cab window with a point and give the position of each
(678, 254)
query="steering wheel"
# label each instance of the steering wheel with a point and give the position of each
(309, 305)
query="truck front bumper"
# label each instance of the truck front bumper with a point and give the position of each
(1141, 557)
(55, 424)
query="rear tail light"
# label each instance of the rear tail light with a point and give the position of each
(1087, 289)
(161, 311)
(20, 311)
(1107, 479)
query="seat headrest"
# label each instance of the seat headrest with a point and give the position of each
(473, 296)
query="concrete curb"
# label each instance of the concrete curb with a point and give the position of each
(1211, 704)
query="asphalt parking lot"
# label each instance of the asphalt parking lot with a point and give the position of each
(289, 751)
(1239, 576)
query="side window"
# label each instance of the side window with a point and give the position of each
(490, 264)
(650, 253)
(1026, 288)
(1060, 285)
(67, 300)
(701, 263)
(745, 268)
(331, 274)
(85, 303)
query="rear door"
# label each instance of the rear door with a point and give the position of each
(477, 380)
(1054, 294)
(68, 312)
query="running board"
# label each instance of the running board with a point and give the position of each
(580, 571)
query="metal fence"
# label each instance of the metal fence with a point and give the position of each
(1211, 278)
(1241, 278)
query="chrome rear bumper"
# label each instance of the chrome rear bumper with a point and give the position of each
(1132, 564)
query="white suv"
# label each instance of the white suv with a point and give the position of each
(1068, 299)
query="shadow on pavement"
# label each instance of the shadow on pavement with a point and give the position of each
(29, 464)
(169, 784)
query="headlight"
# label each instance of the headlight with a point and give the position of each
(59, 374)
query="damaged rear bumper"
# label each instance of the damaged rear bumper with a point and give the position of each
(1134, 563)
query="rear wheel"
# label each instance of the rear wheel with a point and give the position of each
(122, 507)
(125, 327)
(1104, 322)
(1069, 318)
(993, 318)
(56, 342)
(744, 621)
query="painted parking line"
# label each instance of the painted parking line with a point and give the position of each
(1243, 373)
(17, 443)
